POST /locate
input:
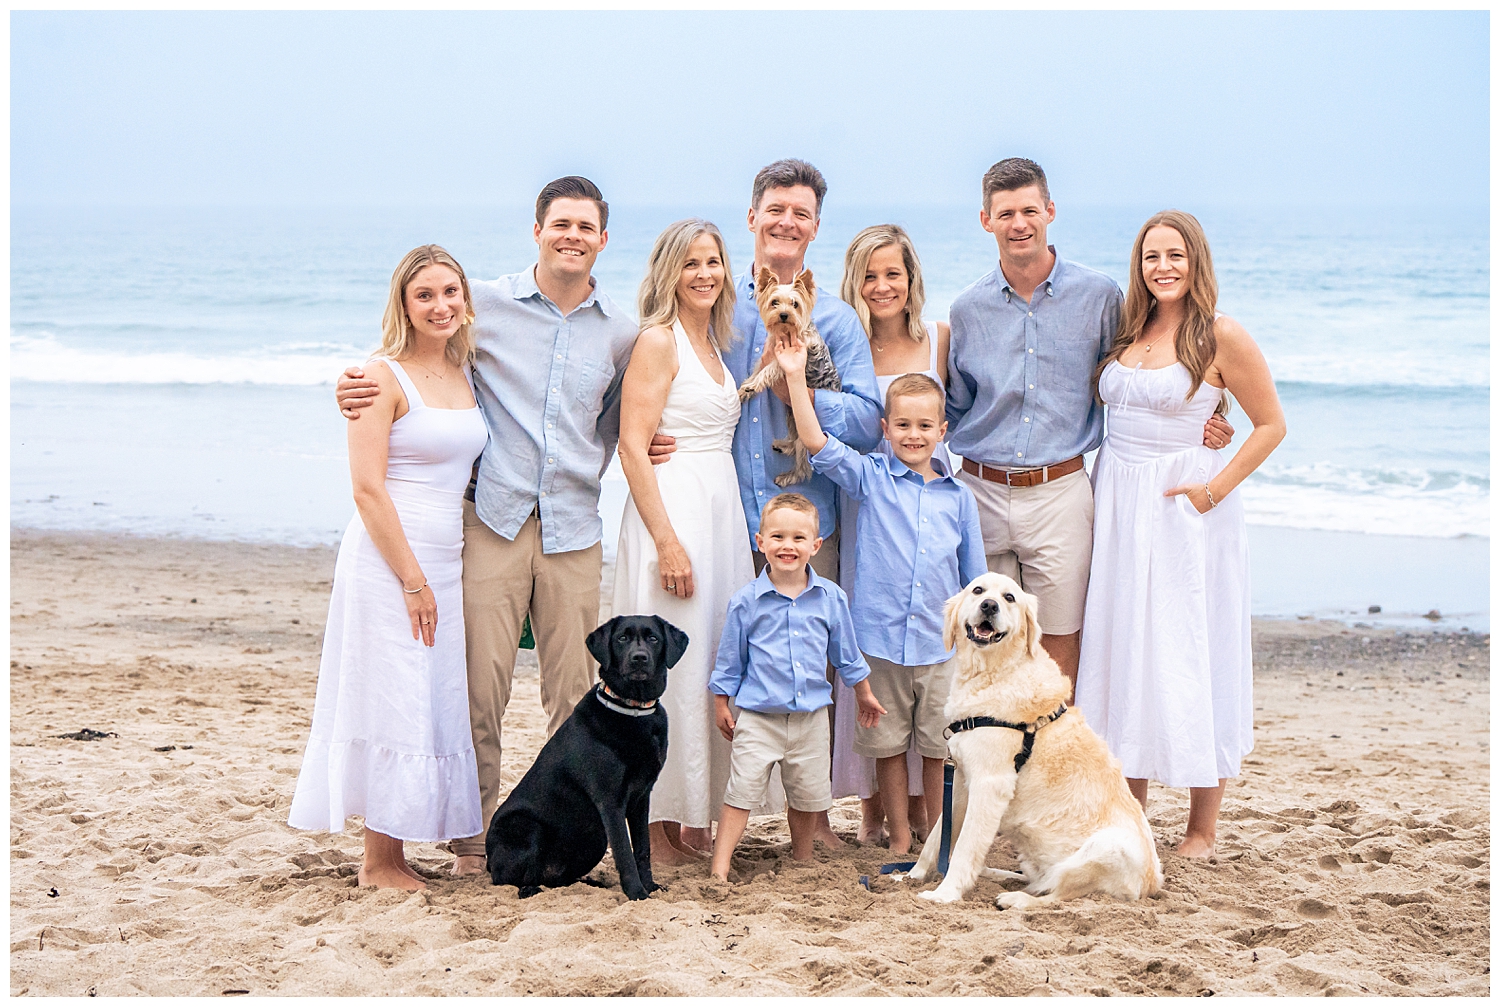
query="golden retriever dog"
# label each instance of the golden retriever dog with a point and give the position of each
(1066, 810)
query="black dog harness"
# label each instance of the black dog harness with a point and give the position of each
(1028, 730)
(619, 704)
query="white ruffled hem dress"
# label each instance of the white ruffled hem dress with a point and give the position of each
(390, 734)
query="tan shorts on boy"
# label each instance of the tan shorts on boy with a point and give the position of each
(799, 741)
(1042, 537)
(913, 698)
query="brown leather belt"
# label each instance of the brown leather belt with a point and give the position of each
(1024, 477)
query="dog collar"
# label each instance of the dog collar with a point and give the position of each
(619, 704)
(1028, 730)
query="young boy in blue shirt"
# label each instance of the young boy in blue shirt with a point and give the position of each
(781, 632)
(918, 544)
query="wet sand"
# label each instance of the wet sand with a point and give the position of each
(1353, 853)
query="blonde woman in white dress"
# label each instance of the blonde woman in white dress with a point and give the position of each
(883, 283)
(683, 551)
(1165, 673)
(390, 732)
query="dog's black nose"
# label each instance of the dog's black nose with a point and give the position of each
(783, 316)
(989, 607)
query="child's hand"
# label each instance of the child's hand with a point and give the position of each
(870, 710)
(724, 718)
(791, 355)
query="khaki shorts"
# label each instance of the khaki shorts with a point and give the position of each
(799, 741)
(1042, 537)
(913, 699)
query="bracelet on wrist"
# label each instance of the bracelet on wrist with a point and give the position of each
(417, 590)
(1212, 503)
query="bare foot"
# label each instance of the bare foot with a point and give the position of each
(468, 866)
(1196, 847)
(390, 877)
(701, 840)
(872, 835)
(899, 847)
(667, 855)
(406, 868)
(825, 836)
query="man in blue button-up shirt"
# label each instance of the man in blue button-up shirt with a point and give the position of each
(1027, 338)
(551, 351)
(785, 203)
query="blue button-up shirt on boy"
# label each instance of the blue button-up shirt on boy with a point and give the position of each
(919, 543)
(853, 415)
(775, 650)
(1021, 375)
(548, 386)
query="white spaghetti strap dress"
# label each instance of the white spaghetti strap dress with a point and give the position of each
(1165, 674)
(390, 733)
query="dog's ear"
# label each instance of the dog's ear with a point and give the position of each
(598, 643)
(950, 621)
(764, 280)
(677, 640)
(804, 281)
(1033, 627)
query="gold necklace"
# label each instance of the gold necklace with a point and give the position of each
(429, 370)
(1154, 341)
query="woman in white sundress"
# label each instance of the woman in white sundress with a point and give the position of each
(883, 283)
(1165, 674)
(390, 733)
(683, 551)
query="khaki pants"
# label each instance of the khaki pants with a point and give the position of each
(503, 580)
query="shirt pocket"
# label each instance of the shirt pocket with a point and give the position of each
(593, 378)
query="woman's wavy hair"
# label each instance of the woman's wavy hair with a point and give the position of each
(657, 303)
(857, 260)
(395, 328)
(1194, 340)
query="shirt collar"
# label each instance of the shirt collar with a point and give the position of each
(763, 583)
(1049, 284)
(900, 469)
(526, 287)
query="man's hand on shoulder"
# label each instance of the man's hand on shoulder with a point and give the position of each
(355, 391)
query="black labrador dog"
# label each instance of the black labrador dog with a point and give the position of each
(591, 783)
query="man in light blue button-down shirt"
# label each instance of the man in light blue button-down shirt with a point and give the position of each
(1027, 338)
(551, 352)
(785, 203)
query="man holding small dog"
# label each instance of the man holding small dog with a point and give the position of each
(1027, 339)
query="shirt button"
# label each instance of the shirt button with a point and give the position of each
(924, 520)
(559, 356)
(923, 552)
(1030, 350)
(1031, 386)
(554, 391)
(549, 426)
(760, 493)
(757, 454)
(1028, 314)
(795, 633)
(1018, 454)
(755, 419)
(1025, 419)
(544, 493)
(911, 617)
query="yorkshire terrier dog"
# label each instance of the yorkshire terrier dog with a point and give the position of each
(786, 310)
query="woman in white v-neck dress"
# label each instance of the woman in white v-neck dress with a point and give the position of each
(1164, 675)
(683, 551)
(390, 730)
(883, 283)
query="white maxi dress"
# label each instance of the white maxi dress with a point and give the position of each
(390, 732)
(701, 493)
(1165, 675)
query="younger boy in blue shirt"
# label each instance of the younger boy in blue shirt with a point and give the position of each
(918, 544)
(781, 632)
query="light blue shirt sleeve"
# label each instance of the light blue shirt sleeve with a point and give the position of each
(845, 466)
(609, 416)
(971, 561)
(852, 415)
(843, 651)
(734, 652)
(961, 386)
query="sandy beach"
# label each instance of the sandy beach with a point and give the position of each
(1353, 853)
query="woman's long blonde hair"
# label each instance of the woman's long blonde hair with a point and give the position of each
(657, 303)
(395, 328)
(857, 260)
(1194, 340)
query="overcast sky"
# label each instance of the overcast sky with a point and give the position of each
(667, 108)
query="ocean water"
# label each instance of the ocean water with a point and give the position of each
(172, 370)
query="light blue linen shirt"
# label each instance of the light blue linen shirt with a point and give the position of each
(1021, 375)
(775, 650)
(853, 415)
(918, 544)
(548, 386)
